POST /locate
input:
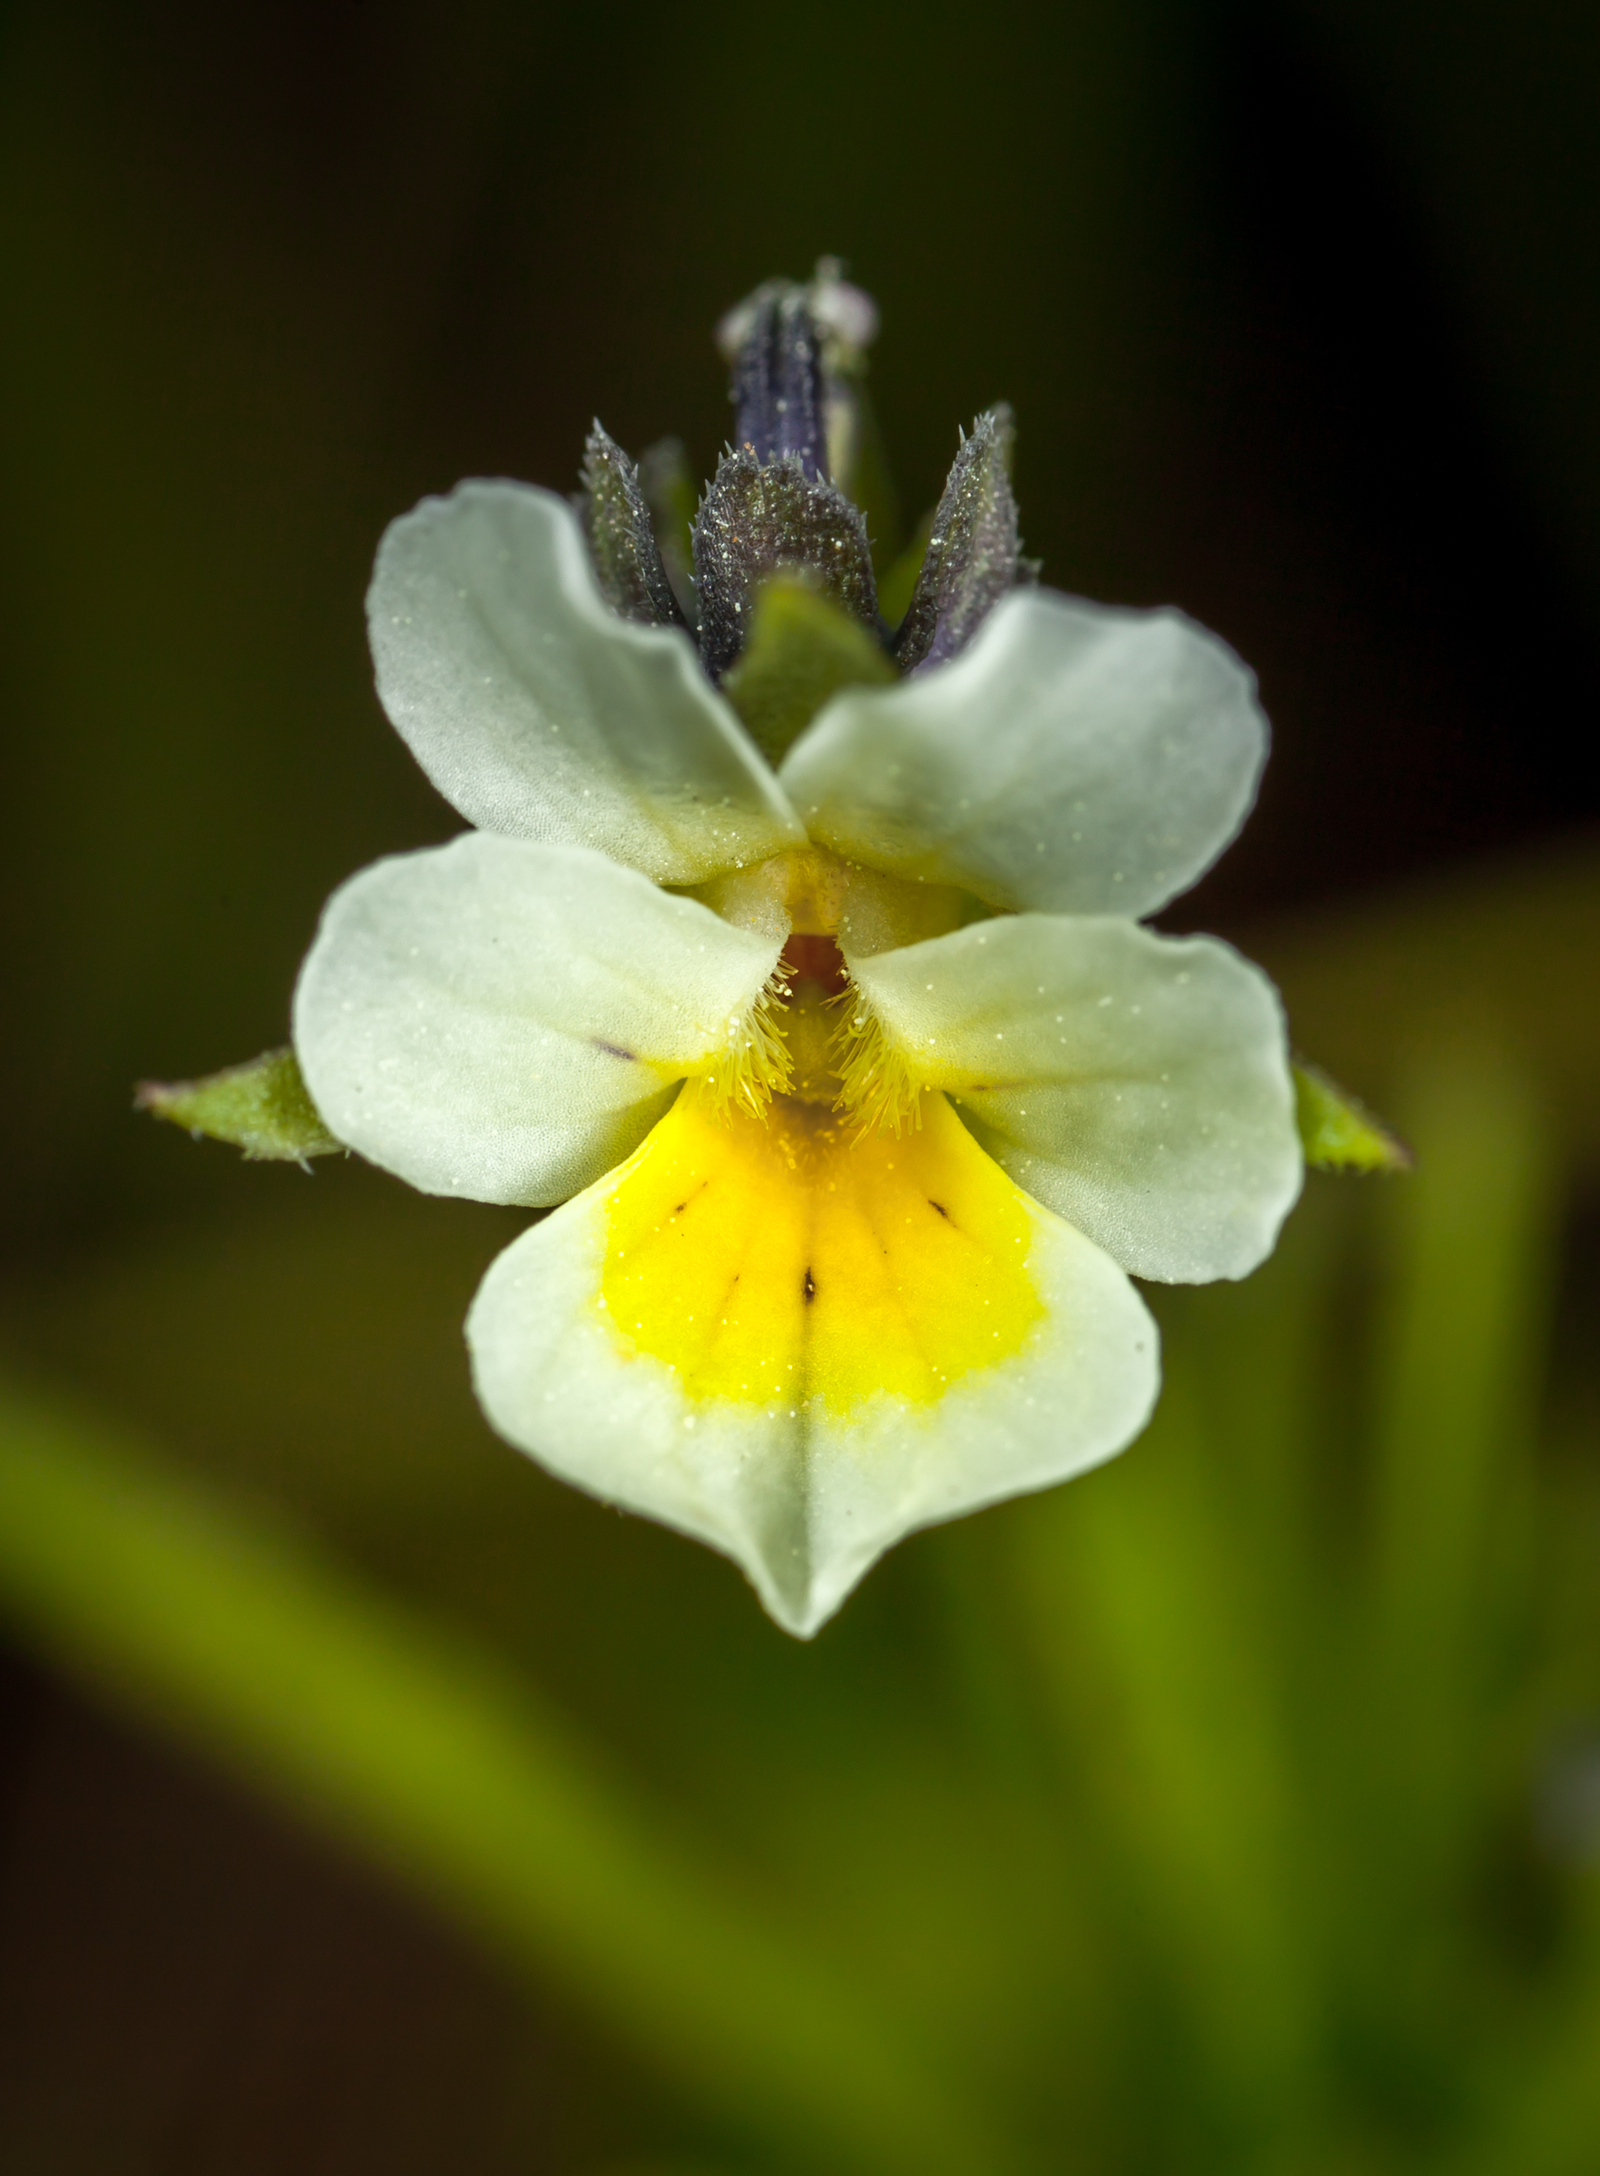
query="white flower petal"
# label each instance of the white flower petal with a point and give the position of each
(506, 1021)
(539, 713)
(790, 1346)
(1075, 758)
(1137, 1084)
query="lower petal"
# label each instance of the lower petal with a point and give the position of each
(798, 1344)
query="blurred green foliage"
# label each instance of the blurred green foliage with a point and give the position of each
(1224, 1810)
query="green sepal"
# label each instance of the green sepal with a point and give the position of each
(622, 542)
(1337, 1133)
(973, 555)
(263, 1107)
(898, 585)
(801, 649)
(858, 459)
(760, 519)
(672, 496)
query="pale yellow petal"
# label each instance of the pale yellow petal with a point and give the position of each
(798, 1345)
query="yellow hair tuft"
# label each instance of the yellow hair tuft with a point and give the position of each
(876, 1086)
(754, 1065)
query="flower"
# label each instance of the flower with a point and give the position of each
(862, 1086)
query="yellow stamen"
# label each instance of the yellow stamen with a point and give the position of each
(790, 1259)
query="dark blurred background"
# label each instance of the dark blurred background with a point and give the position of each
(1297, 306)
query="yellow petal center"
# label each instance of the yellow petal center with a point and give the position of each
(790, 1257)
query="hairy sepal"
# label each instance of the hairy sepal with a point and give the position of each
(263, 1107)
